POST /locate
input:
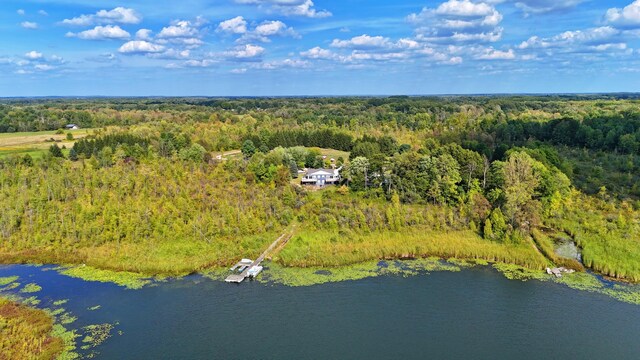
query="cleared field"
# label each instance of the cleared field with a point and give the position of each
(334, 154)
(36, 143)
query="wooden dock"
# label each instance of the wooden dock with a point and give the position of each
(238, 278)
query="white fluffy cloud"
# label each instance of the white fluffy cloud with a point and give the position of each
(29, 25)
(269, 29)
(595, 36)
(464, 8)
(304, 8)
(245, 52)
(319, 53)
(261, 32)
(365, 49)
(140, 47)
(33, 55)
(362, 42)
(109, 32)
(119, 15)
(546, 6)
(493, 54)
(144, 34)
(629, 16)
(179, 29)
(33, 62)
(237, 25)
(458, 21)
(281, 64)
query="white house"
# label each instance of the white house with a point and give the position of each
(322, 177)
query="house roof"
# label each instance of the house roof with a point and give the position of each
(311, 172)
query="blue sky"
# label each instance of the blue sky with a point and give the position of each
(317, 47)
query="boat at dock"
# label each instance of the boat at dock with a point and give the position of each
(557, 272)
(254, 271)
(247, 268)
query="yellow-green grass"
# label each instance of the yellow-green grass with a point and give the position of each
(171, 257)
(331, 248)
(334, 154)
(34, 153)
(27, 333)
(35, 143)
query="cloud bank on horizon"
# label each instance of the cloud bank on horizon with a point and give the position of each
(312, 47)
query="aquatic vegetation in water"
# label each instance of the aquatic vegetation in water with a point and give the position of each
(589, 282)
(8, 280)
(66, 318)
(95, 336)
(94, 308)
(31, 288)
(69, 339)
(57, 312)
(60, 302)
(122, 278)
(218, 274)
(13, 285)
(579, 281)
(515, 272)
(31, 301)
(317, 275)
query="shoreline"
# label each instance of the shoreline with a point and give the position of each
(278, 274)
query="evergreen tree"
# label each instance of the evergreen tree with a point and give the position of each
(73, 155)
(248, 149)
(55, 151)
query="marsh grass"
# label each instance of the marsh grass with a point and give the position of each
(27, 333)
(326, 248)
(609, 237)
(545, 244)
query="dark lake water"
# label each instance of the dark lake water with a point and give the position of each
(473, 314)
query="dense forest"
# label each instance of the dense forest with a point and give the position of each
(179, 185)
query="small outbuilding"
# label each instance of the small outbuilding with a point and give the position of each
(72, 127)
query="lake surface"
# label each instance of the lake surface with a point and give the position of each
(474, 314)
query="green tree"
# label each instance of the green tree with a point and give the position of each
(520, 184)
(73, 155)
(358, 173)
(248, 149)
(27, 160)
(105, 157)
(442, 174)
(498, 224)
(488, 230)
(195, 153)
(55, 151)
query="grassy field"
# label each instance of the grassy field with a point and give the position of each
(36, 143)
(27, 333)
(334, 154)
(174, 257)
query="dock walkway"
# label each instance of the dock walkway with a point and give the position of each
(238, 278)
